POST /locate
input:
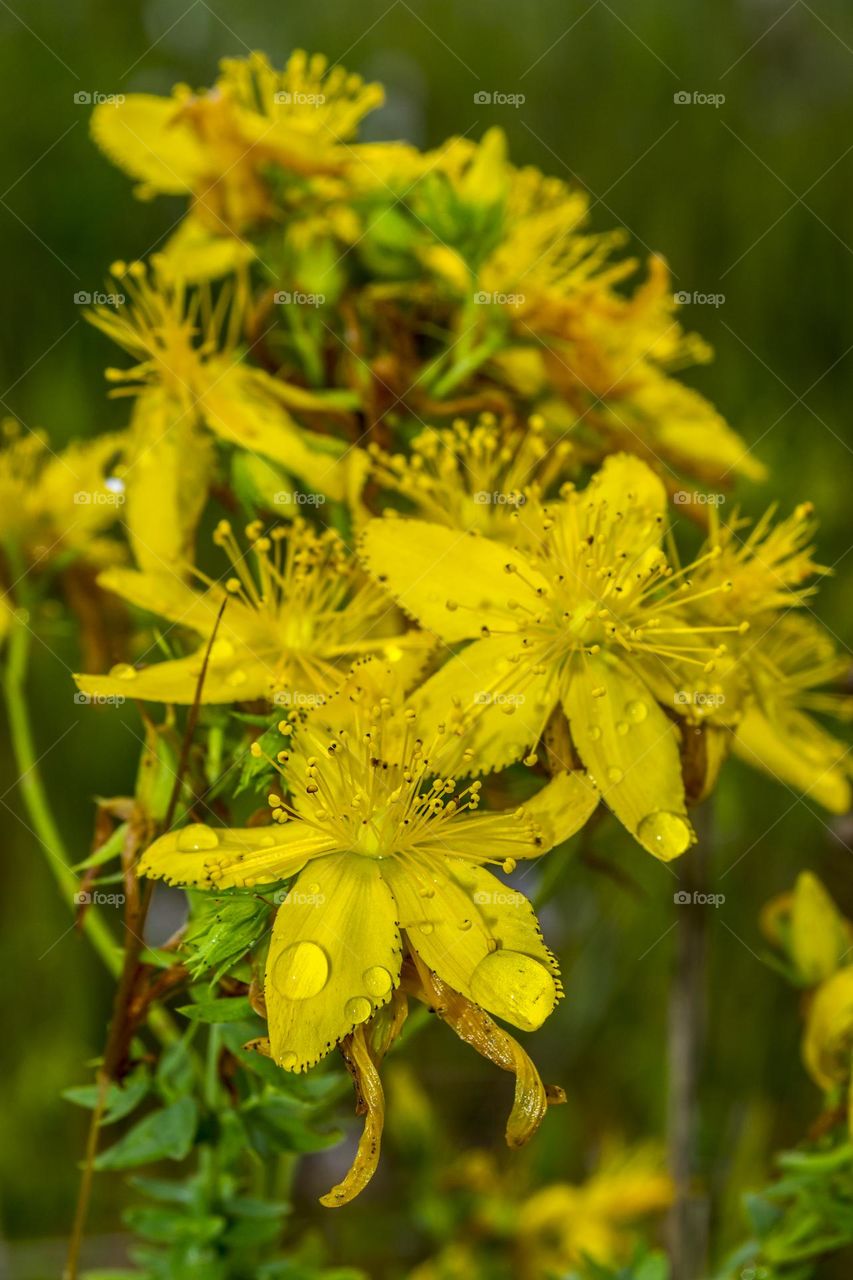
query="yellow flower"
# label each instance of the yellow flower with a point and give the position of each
(299, 611)
(56, 507)
(588, 617)
(514, 248)
(828, 1038)
(189, 375)
(808, 927)
(562, 1225)
(474, 477)
(389, 857)
(240, 149)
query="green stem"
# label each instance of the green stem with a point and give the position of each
(35, 797)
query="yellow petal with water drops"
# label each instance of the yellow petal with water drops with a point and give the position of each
(166, 594)
(561, 808)
(208, 857)
(792, 748)
(145, 137)
(492, 691)
(828, 1037)
(468, 927)
(631, 751)
(168, 472)
(333, 960)
(478, 1030)
(232, 676)
(453, 583)
(237, 406)
(370, 1104)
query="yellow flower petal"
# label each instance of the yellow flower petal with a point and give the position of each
(793, 748)
(231, 857)
(829, 1031)
(631, 751)
(169, 465)
(237, 405)
(333, 960)
(226, 680)
(630, 488)
(195, 253)
(479, 936)
(166, 594)
(561, 808)
(145, 137)
(371, 1102)
(820, 936)
(503, 704)
(424, 566)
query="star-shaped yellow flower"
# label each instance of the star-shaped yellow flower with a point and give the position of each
(299, 611)
(588, 617)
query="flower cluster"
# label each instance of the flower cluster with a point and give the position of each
(459, 620)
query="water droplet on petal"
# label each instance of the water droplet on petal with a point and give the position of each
(464, 925)
(637, 711)
(516, 987)
(301, 971)
(314, 887)
(666, 835)
(427, 892)
(222, 648)
(614, 775)
(377, 981)
(594, 732)
(196, 837)
(237, 678)
(124, 671)
(427, 927)
(622, 727)
(358, 1009)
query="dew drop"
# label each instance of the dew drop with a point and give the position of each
(237, 678)
(622, 727)
(594, 733)
(427, 927)
(637, 711)
(378, 981)
(666, 835)
(124, 671)
(301, 971)
(196, 837)
(314, 887)
(614, 775)
(515, 987)
(358, 1009)
(222, 649)
(465, 925)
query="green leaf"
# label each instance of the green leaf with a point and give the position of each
(165, 1226)
(228, 1009)
(121, 1099)
(163, 1135)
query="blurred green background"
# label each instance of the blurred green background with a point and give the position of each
(749, 199)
